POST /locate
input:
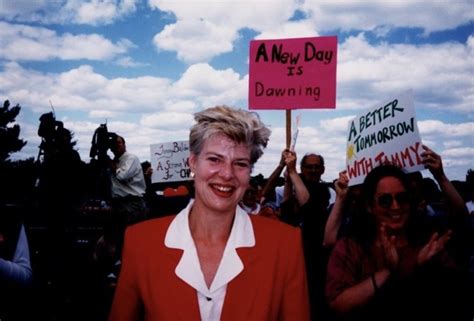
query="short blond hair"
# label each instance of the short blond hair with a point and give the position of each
(239, 125)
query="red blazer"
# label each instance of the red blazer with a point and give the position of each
(271, 287)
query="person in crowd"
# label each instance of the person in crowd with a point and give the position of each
(213, 261)
(16, 274)
(386, 269)
(128, 188)
(308, 186)
(151, 198)
(346, 205)
(432, 203)
(250, 202)
(271, 188)
(127, 185)
(59, 197)
(305, 202)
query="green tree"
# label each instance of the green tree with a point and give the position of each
(9, 134)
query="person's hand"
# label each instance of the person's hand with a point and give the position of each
(435, 245)
(282, 163)
(290, 161)
(341, 185)
(389, 248)
(432, 162)
(149, 172)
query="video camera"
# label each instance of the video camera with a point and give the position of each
(102, 141)
(49, 126)
(50, 131)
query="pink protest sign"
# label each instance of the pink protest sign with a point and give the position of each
(293, 73)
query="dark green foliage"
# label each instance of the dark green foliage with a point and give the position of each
(9, 135)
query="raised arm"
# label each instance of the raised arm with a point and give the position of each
(273, 178)
(335, 216)
(301, 192)
(434, 164)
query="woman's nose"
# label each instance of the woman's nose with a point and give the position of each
(226, 170)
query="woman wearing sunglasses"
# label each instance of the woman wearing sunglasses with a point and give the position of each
(384, 270)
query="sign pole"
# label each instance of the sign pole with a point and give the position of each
(288, 128)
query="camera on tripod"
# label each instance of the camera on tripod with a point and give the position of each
(102, 141)
(52, 133)
(49, 126)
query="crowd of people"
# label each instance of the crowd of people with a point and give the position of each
(289, 247)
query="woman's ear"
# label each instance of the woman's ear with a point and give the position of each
(192, 162)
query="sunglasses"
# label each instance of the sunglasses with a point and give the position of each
(386, 200)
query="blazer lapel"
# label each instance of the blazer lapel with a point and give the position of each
(182, 298)
(242, 290)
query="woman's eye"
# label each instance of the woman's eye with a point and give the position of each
(243, 164)
(213, 159)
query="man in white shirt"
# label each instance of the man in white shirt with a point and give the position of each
(127, 184)
(127, 190)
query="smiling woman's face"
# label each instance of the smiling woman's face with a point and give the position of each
(391, 204)
(221, 173)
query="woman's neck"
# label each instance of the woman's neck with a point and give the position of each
(208, 226)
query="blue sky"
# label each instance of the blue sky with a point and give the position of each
(146, 66)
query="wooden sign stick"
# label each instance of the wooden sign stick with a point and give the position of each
(288, 128)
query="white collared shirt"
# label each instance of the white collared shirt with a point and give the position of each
(178, 236)
(128, 178)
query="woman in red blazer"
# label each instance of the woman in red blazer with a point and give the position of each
(213, 261)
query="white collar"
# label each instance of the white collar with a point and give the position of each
(178, 236)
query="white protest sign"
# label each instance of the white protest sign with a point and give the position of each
(386, 133)
(170, 162)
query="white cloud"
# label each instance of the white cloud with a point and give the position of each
(167, 120)
(258, 15)
(290, 29)
(462, 152)
(436, 127)
(196, 40)
(204, 84)
(83, 89)
(452, 144)
(129, 62)
(339, 124)
(371, 73)
(367, 15)
(92, 12)
(207, 23)
(205, 29)
(181, 106)
(21, 42)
